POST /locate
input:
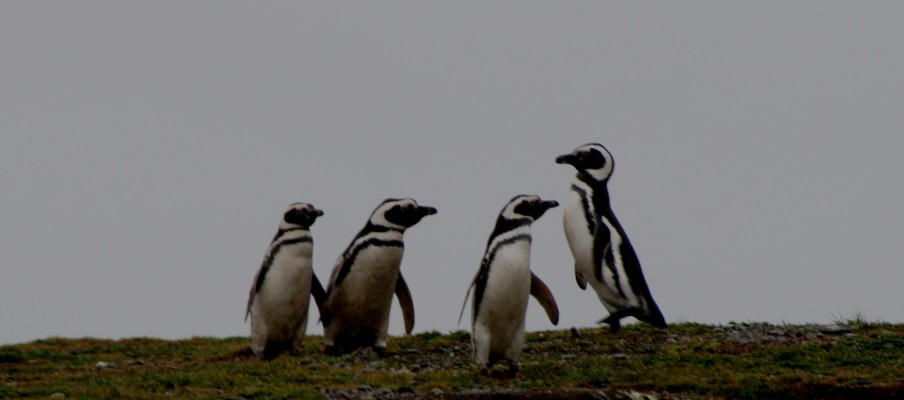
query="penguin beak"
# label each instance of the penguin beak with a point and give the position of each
(317, 212)
(540, 208)
(427, 210)
(566, 159)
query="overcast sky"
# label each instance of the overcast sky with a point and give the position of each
(148, 149)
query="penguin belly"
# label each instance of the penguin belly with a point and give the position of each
(280, 308)
(580, 241)
(360, 309)
(503, 306)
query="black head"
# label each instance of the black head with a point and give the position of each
(592, 158)
(402, 213)
(300, 215)
(526, 206)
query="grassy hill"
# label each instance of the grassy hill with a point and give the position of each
(738, 361)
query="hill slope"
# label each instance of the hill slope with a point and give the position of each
(683, 361)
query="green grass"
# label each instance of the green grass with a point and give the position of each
(689, 360)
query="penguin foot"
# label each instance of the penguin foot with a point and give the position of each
(613, 320)
(381, 352)
(512, 371)
(614, 326)
(331, 350)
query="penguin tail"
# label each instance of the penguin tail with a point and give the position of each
(654, 317)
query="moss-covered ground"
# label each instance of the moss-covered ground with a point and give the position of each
(736, 361)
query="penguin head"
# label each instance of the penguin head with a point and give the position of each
(591, 159)
(400, 213)
(300, 215)
(526, 206)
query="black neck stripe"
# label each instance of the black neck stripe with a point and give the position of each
(377, 228)
(484, 273)
(504, 225)
(350, 256)
(585, 204)
(268, 261)
(287, 230)
(585, 177)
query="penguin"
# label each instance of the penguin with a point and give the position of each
(278, 302)
(503, 284)
(603, 255)
(365, 277)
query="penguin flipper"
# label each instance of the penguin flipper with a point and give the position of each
(464, 303)
(541, 292)
(254, 286)
(404, 295)
(579, 278)
(604, 260)
(320, 299)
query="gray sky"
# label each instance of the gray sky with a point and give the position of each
(148, 149)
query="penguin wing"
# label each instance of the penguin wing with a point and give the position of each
(331, 285)
(541, 292)
(404, 295)
(579, 278)
(602, 261)
(255, 286)
(250, 300)
(464, 303)
(320, 299)
(602, 249)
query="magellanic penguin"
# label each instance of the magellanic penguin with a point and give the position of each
(504, 283)
(603, 255)
(278, 303)
(365, 277)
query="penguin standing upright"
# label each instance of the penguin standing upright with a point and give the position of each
(365, 277)
(603, 256)
(504, 283)
(278, 302)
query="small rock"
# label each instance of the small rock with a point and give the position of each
(404, 389)
(102, 364)
(835, 330)
(58, 395)
(574, 333)
(365, 388)
(619, 356)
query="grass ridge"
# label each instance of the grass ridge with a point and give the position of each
(737, 361)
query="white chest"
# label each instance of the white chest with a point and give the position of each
(508, 285)
(580, 238)
(373, 275)
(289, 275)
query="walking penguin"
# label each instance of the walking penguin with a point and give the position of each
(504, 283)
(365, 277)
(603, 255)
(280, 293)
